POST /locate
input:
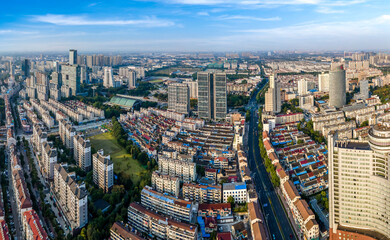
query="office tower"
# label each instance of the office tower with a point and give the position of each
(359, 187)
(179, 98)
(337, 86)
(273, 99)
(71, 77)
(103, 171)
(131, 79)
(108, 78)
(26, 68)
(212, 102)
(82, 152)
(323, 82)
(72, 56)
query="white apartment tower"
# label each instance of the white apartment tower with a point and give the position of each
(108, 78)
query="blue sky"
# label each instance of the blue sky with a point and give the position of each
(194, 25)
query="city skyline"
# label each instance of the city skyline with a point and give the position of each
(195, 25)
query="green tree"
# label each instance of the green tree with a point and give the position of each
(231, 200)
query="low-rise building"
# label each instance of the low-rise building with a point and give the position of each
(119, 232)
(236, 190)
(169, 206)
(32, 226)
(157, 226)
(165, 183)
(202, 193)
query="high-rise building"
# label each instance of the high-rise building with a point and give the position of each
(359, 187)
(71, 78)
(273, 99)
(193, 86)
(132, 80)
(337, 86)
(72, 56)
(302, 87)
(108, 78)
(323, 82)
(364, 90)
(103, 170)
(26, 68)
(179, 98)
(212, 97)
(82, 152)
(71, 196)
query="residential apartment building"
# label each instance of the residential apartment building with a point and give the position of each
(165, 183)
(185, 170)
(119, 232)
(67, 132)
(273, 99)
(48, 159)
(212, 96)
(159, 227)
(359, 185)
(202, 193)
(71, 78)
(103, 171)
(236, 190)
(168, 206)
(179, 98)
(71, 197)
(82, 152)
(32, 226)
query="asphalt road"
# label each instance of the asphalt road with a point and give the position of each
(277, 221)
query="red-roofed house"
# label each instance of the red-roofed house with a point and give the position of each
(33, 229)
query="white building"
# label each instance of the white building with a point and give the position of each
(236, 190)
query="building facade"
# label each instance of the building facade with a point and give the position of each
(103, 171)
(359, 186)
(212, 96)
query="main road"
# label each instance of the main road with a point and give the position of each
(277, 220)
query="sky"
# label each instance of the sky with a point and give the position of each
(194, 25)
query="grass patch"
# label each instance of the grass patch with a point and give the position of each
(156, 81)
(123, 162)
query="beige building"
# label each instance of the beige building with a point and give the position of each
(185, 170)
(103, 171)
(165, 183)
(82, 152)
(67, 132)
(175, 208)
(159, 227)
(71, 196)
(48, 159)
(359, 186)
(273, 99)
(202, 193)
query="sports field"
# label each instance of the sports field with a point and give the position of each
(123, 162)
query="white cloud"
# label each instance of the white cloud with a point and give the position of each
(203, 13)
(328, 10)
(264, 2)
(66, 20)
(242, 17)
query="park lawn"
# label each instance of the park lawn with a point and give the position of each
(156, 81)
(123, 162)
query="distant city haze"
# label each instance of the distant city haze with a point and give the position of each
(194, 25)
